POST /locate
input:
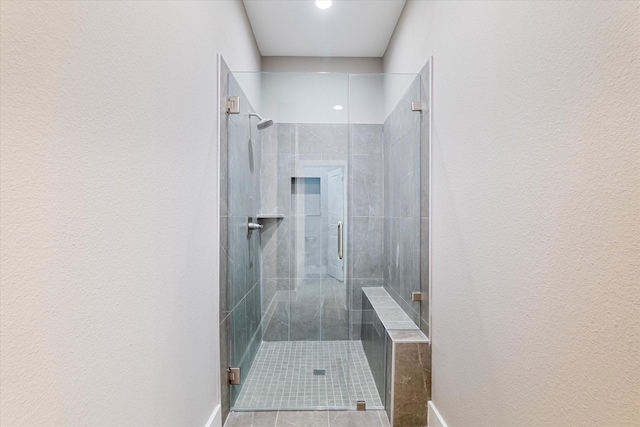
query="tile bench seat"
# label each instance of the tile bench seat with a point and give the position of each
(400, 358)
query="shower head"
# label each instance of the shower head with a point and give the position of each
(263, 123)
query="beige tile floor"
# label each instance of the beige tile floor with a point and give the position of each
(308, 419)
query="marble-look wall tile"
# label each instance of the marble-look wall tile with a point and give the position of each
(237, 260)
(308, 139)
(335, 317)
(276, 183)
(285, 172)
(275, 309)
(270, 139)
(408, 235)
(311, 253)
(238, 171)
(355, 324)
(388, 264)
(403, 263)
(366, 256)
(224, 267)
(278, 139)
(335, 141)
(276, 247)
(402, 120)
(366, 139)
(306, 310)
(291, 146)
(367, 185)
(365, 229)
(269, 183)
(374, 342)
(245, 330)
(355, 303)
(387, 187)
(411, 384)
(404, 180)
(255, 318)
(276, 325)
(286, 135)
(403, 186)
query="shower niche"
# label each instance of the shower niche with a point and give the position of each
(339, 196)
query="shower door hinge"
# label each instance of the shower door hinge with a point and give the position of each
(361, 405)
(416, 296)
(233, 105)
(233, 375)
(416, 106)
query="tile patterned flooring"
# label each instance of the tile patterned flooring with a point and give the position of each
(308, 419)
(282, 377)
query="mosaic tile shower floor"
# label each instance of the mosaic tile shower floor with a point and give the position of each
(282, 377)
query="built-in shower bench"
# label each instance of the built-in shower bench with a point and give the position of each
(399, 356)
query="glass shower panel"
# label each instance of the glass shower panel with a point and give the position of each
(402, 185)
(305, 360)
(384, 204)
(243, 156)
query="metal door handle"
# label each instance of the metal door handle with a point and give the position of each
(340, 239)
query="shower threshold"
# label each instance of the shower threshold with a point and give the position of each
(287, 375)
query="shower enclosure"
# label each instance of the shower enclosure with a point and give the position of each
(324, 200)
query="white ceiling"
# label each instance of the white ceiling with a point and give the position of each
(347, 28)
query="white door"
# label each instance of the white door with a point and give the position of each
(335, 208)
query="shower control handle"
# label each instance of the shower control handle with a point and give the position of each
(253, 226)
(339, 239)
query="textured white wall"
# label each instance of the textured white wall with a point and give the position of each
(535, 208)
(108, 214)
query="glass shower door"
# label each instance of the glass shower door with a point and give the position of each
(319, 322)
(332, 184)
(303, 359)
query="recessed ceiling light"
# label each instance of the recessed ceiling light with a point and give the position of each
(323, 4)
(337, 107)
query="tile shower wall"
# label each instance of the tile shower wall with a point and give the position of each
(402, 204)
(385, 228)
(366, 215)
(240, 166)
(300, 299)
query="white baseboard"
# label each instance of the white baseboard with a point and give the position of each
(434, 419)
(215, 420)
